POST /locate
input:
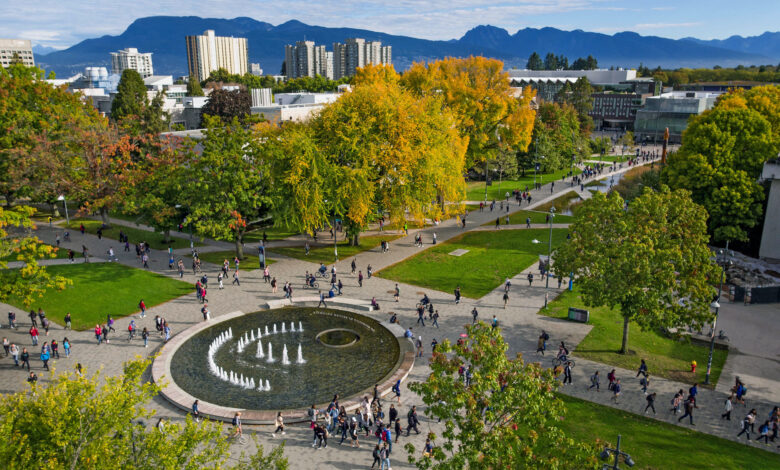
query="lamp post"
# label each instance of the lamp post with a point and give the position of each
(723, 259)
(64, 203)
(607, 452)
(549, 259)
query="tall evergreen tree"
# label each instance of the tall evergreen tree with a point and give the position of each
(550, 61)
(534, 62)
(131, 98)
(193, 87)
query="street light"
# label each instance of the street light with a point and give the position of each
(549, 260)
(723, 259)
(64, 203)
(605, 454)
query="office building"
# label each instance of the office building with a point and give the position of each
(208, 52)
(130, 58)
(670, 110)
(16, 49)
(305, 59)
(357, 53)
(255, 69)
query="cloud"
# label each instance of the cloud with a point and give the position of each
(642, 26)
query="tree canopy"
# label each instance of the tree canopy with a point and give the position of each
(721, 157)
(506, 418)
(556, 137)
(650, 260)
(227, 105)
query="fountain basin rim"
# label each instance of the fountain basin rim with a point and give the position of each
(161, 375)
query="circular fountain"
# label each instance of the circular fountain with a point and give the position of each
(228, 363)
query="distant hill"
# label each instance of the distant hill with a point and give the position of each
(164, 37)
(767, 44)
(43, 50)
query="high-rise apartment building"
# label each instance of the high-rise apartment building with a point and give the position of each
(305, 59)
(130, 58)
(357, 53)
(16, 49)
(208, 52)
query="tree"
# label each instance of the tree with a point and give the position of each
(650, 260)
(534, 62)
(477, 91)
(550, 62)
(193, 87)
(131, 97)
(30, 107)
(86, 421)
(506, 418)
(556, 136)
(227, 184)
(227, 105)
(580, 96)
(721, 158)
(18, 244)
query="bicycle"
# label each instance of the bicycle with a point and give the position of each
(321, 274)
(314, 285)
(562, 361)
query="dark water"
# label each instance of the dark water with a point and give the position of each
(346, 371)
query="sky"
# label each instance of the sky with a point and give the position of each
(63, 23)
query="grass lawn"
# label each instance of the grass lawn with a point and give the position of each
(657, 445)
(249, 263)
(493, 256)
(324, 254)
(155, 239)
(102, 288)
(475, 191)
(665, 357)
(273, 233)
(610, 158)
(537, 217)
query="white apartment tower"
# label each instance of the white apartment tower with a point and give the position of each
(208, 52)
(304, 59)
(21, 49)
(130, 58)
(357, 53)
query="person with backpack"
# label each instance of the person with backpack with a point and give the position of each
(642, 369)
(45, 358)
(412, 421)
(375, 454)
(747, 423)
(142, 306)
(676, 402)
(594, 381)
(384, 456)
(645, 382)
(616, 391)
(25, 359)
(650, 402)
(763, 432)
(689, 405)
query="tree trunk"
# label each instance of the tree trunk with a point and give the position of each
(9, 200)
(104, 216)
(239, 248)
(355, 241)
(167, 236)
(624, 346)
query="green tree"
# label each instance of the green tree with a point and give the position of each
(534, 62)
(551, 61)
(18, 244)
(580, 96)
(131, 97)
(556, 136)
(193, 87)
(91, 422)
(650, 260)
(721, 158)
(227, 186)
(227, 105)
(507, 418)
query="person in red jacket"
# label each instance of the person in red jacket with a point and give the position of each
(142, 306)
(34, 335)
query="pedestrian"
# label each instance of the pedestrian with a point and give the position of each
(25, 358)
(158, 324)
(689, 404)
(67, 321)
(644, 382)
(494, 323)
(727, 407)
(474, 315)
(594, 381)
(45, 359)
(220, 278)
(145, 259)
(131, 330)
(650, 402)
(396, 293)
(506, 299)
(167, 331)
(322, 301)
(530, 278)
(353, 265)
(12, 320)
(273, 285)
(32, 379)
(6, 346)
(98, 334)
(642, 369)
(375, 454)
(384, 456)
(110, 323)
(763, 432)
(457, 295)
(34, 335)
(360, 278)
(66, 346)
(692, 392)
(145, 337)
(412, 421)
(235, 276)
(616, 391)
(567, 373)
(279, 425)
(205, 312)
(435, 318)
(419, 345)
(746, 424)
(527, 222)
(55, 349)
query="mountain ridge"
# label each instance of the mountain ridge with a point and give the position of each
(164, 37)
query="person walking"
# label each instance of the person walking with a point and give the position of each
(567, 373)
(25, 358)
(457, 295)
(435, 318)
(397, 292)
(594, 381)
(689, 404)
(412, 421)
(66, 346)
(322, 301)
(6, 346)
(67, 321)
(747, 423)
(236, 280)
(145, 337)
(530, 278)
(279, 425)
(642, 369)
(45, 359)
(474, 315)
(34, 335)
(644, 382)
(616, 388)
(98, 334)
(360, 278)
(375, 454)
(12, 320)
(650, 402)
(506, 299)
(55, 349)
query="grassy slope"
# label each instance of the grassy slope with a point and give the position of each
(475, 191)
(324, 254)
(135, 235)
(249, 263)
(493, 256)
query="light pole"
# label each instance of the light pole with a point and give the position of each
(549, 259)
(723, 259)
(65, 203)
(605, 454)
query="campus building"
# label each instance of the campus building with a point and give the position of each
(670, 110)
(208, 52)
(16, 49)
(130, 58)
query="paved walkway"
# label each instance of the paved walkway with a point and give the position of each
(520, 322)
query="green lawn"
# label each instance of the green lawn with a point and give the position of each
(249, 263)
(324, 254)
(155, 239)
(475, 191)
(665, 356)
(537, 217)
(273, 233)
(492, 257)
(656, 445)
(102, 288)
(610, 158)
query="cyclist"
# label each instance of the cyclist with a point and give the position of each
(311, 281)
(425, 300)
(323, 269)
(562, 352)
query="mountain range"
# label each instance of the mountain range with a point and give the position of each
(164, 37)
